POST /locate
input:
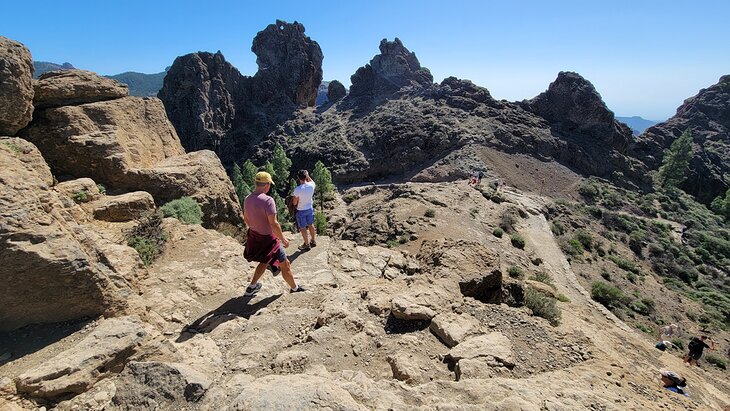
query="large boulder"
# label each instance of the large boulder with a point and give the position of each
(124, 207)
(707, 117)
(394, 68)
(151, 385)
(77, 369)
(54, 268)
(104, 140)
(16, 86)
(71, 87)
(128, 144)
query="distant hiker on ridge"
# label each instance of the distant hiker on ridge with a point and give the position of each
(303, 200)
(265, 238)
(696, 346)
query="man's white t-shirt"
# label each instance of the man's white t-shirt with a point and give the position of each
(305, 192)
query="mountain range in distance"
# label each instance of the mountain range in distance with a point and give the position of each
(637, 124)
(140, 84)
(146, 85)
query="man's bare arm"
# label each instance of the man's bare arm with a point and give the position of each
(276, 228)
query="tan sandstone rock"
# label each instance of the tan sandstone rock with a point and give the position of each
(16, 86)
(452, 329)
(75, 370)
(406, 307)
(128, 144)
(72, 189)
(54, 269)
(493, 345)
(124, 207)
(71, 87)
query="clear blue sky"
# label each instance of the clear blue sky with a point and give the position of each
(644, 57)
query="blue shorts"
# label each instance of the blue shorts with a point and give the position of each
(305, 218)
(281, 255)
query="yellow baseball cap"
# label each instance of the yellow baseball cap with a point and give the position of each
(264, 177)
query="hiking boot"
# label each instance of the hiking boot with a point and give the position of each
(312, 243)
(305, 247)
(298, 290)
(252, 289)
(274, 270)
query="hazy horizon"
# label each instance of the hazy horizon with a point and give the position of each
(644, 59)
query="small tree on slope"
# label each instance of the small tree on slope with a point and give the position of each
(675, 163)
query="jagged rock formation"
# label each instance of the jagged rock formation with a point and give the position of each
(73, 87)
(290, 66)
(16, 88)
(707, 117)
(125, 143)
(214, 107)
(394, 68)
(54, 267)
(335, 91)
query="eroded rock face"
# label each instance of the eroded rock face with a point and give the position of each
(124, 207)
(335, 91)
(53, 269)
(16, 86)
(72, 87)
(129, 144)
(200, 93)
(290, 65)
(707, 117)
(150, 385)
(214, 107)
(395, 67)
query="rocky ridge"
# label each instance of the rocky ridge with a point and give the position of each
(213, 106)
(707, 117)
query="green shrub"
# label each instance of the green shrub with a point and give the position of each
(641, 307)
(350, 197)
(716, 360)
(430, 213)
(81, 196)
(497, 232)
(563, 298)
(631, 277)
(584, 238)
(677, 343)
(147, 237)
(607, 294)
(507, 222)
(102, 189)
(643, 328)
(557, 228)
(571, 247)
(624, 264)
(542, 306)
(320, 223)
(185, 209)
(392, 243)
(543, 277)
(589, 190)
(606, 275)
(515, 272)
(517, 241)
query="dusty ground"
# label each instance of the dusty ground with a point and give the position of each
(333, 346)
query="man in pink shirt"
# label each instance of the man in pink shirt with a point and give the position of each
(265, 238)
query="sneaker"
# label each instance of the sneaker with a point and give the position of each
(251, 290)
(305, 247)
(274, 270)
(312, 243)
(298, 290)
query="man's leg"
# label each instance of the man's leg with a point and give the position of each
(287, 275)
(303, 230)
(258, 272)
(311, 232)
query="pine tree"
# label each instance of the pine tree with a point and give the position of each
(675, 163)
(239, 185)
(721, 205)
(323, 180)
(248, 173)
(282, 166)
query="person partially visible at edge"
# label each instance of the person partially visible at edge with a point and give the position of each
(668, 331)
(265, 238)
(696, 346)
(304, 200)
(673, 381)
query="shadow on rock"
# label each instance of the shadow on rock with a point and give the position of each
(235, 307)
